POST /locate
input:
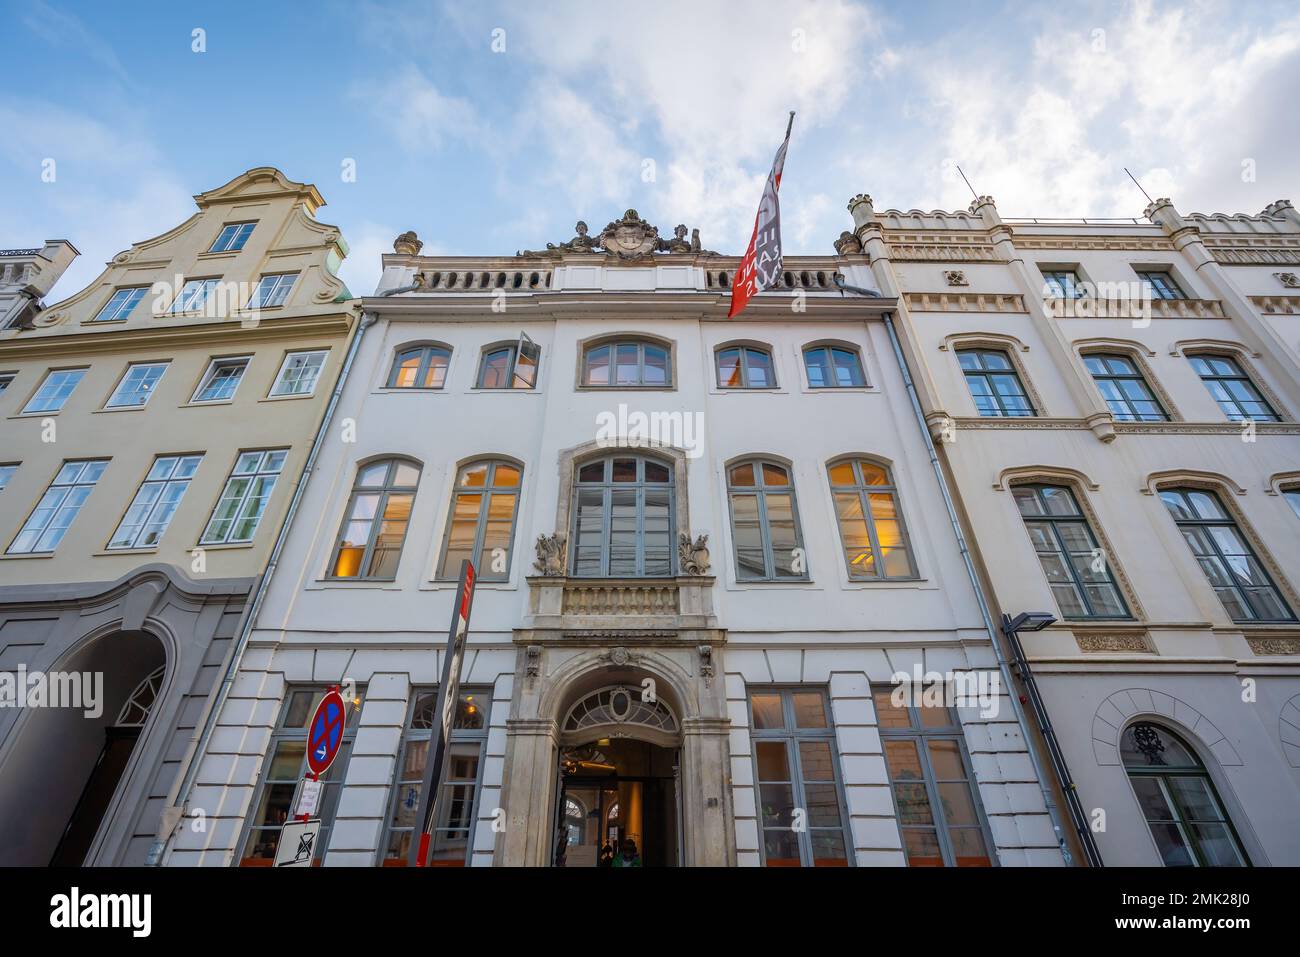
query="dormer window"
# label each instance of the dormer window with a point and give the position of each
(272, 291)
(232, 237)
(121, 304)
(194, 294)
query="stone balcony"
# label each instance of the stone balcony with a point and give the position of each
(634, 604)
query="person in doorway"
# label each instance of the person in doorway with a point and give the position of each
(606, 855)
(628, 856)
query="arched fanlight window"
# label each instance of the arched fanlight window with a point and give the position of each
(765, 522)
(374, 525)
(629, 363)
(420, 367)
(484, 504)
(135, 710)
(1178, 800)
(871, 522)
(621, 705)
(623, 518)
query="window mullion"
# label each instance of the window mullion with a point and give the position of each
(1069, 565)
(765, 532)
(372, 537)
(878, 560)
(932, 789)
(606, 528)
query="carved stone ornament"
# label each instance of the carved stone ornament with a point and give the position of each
(630, 239)
(407, 244)
(552, 551)
(956, 277)
(848, 244)
(1288, 279)
(706, 664)
(693, 557)
(533, 666)
(618, 656)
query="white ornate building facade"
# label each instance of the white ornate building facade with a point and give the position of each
(706, 548)
(1117, 404)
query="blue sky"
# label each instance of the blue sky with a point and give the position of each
(490, 127)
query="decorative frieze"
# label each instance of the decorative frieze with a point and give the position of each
(1254, 251)
(1114, 642)
(1277, 305)
(1274, 646)
(621, 597)
(964, 302)
(1110, 243)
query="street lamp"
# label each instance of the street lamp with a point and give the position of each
(1027, 621)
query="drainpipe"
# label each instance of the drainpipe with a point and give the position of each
(175, 810)
(1048, 800)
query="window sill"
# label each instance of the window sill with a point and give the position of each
(741, 391)
(121, 408)
(199, 405)
(804, 585)
(479, 585)
(34, 415)
(325, 584)
(533, 391)
(152, 550)
(220, 254)
(838, 390)
(220, 546)
(625, 388)
(15, 556)
(911, 583)
(288, 398)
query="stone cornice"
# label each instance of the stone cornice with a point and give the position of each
(1136, 428)
(695, 305)
(1277, 305)
(964, 302)
(142, 338)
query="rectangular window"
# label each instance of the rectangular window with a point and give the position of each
(232, 237)
(1161, 283)
(462, 772)
(934, 790)
(994, 384)
(243, 500)
(872, 531)
(829, 367)
(5, 381)
(272, 291)
(121, 304)
(484, 504)
(194, 294)
(796, 776)
(1061, 284)
(765, 523)
(6, 473)
(54, 391)
(154, 505)
(1232, 389)
(1231, 565)
(285, 768)
(1077, 570)
(136, 386)
(221, 380)
(53, 515)
(1293, 499)
(1125, 390)
(299, 373)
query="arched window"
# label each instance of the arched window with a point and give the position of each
(509, 367)
(374, 525)
(420, 367)
(833, 367)
(623, 518)
(871, 523)
(1178, 800)
(744, 367)
(627, 364)
(765, 523)
(482, 527)
(994, 383)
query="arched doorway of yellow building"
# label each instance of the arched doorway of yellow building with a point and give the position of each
(617, 782)
(72, 754)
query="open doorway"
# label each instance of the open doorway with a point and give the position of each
(617, 805)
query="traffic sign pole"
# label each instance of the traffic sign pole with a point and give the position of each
(444, 712)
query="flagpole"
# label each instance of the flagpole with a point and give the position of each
(789, 126)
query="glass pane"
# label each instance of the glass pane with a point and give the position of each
(776, 804)
(1146, 745)
(758, 369)
(656, 366)
(809, 709)
(903, 760)
(815, 761)
(958, 808)
(1172, 845)
(828, 848)
(889, 714)
(656, 472)
(626, 361)
(823, 808)
(922, 846)
(597, 366)
(945, 758)
(969, 847)
(775, 475)
(729, 371)
(767, 711)
(593, 472)
(781, 849)
(913, 803)
(1217, 845)
(773, 764)
(743, 475)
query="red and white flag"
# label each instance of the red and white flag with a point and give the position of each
(762, 266)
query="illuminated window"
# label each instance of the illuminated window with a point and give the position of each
(627, 365)
(374, 526)
(420, 367)
(872, 532)
(507, 367)
(484, 504)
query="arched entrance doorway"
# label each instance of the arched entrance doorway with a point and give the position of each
(617, 781)
(61, 777)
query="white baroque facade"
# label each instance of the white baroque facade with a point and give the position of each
(765, 566)
(1130, 465)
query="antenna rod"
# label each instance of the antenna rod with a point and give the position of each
(968, 185)
(1139, 186)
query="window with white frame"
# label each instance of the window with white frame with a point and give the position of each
(54, 513)
(484, 505)
(6, 379)
(765, 522)
(221, 379)
(156, 502)
(934, 791)
(462, 773)
(194, 294)
(796, 779)
(232, 237)
(121, 304)
(833, 367)
(283, 771)
(299, 373)
(54, 391)
(6, 473)
(243, 500)
(272, 291)
(137, 385)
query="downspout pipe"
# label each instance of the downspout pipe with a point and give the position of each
(175, 811)
(1048, 800)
